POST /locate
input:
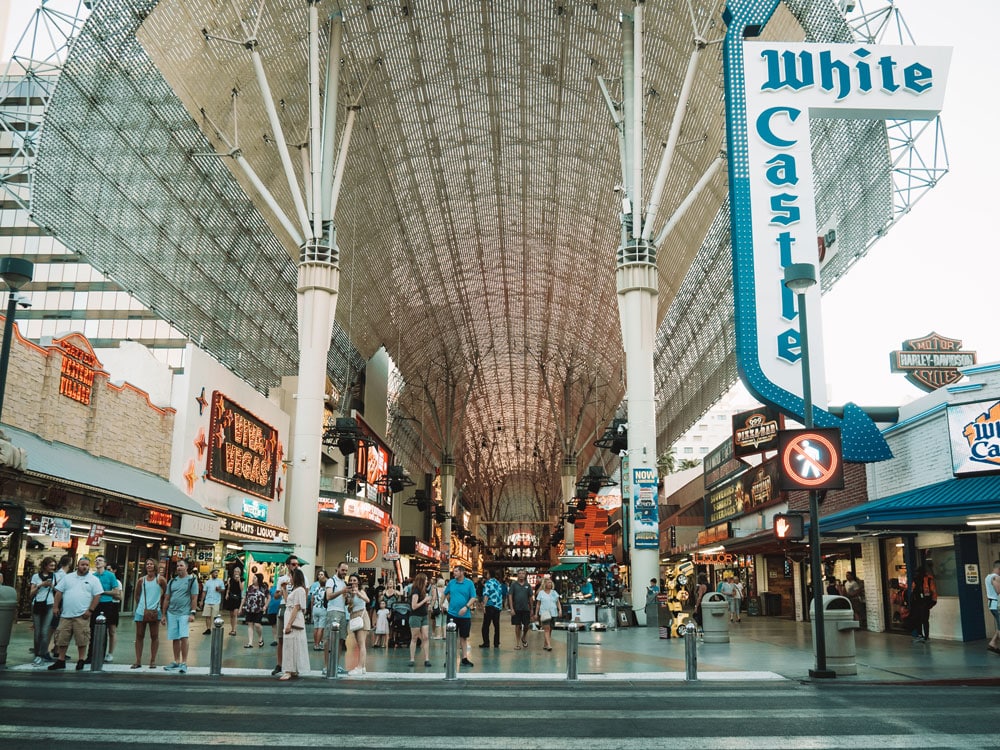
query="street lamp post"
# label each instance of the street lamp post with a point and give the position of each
(799, 278)
(15, 272)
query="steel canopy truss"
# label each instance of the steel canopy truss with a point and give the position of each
(478, 218)
(118, 180)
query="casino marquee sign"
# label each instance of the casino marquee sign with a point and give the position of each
(931, 362)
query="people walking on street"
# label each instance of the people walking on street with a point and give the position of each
(178, 614)
(148, 607)
(284, 587)
(854, 590)
(520, 603)
(336, 610)
(76, 599)
(233, 598)
(438, 610)
(459, 598)
(295, 647)
(382, 624)
(254, 606)
(699, 593)
(110, 604)
(992, 584)
(357, 609)
(64, 568)
(211, 599)
(317, 604)
(547, 610)
(420, 599)
(923, 597)
(493, 603)
(43, 596)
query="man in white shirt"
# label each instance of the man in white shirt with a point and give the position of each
(76, 598)
(211, 599)
(336, 611)
(992, 584)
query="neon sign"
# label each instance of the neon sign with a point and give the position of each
(773, 90)
(243, 450)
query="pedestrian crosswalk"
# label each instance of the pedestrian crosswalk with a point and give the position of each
(41, 710)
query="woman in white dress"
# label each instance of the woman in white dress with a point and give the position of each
(547, 610)
(295, 651)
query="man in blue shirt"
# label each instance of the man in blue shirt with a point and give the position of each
(493, 599)
(108, 606)
(459, 596)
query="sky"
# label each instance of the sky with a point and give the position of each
(936, 269)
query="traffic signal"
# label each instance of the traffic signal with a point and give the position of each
(11, 517)
(788, 527)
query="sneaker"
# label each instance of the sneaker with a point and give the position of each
(341, 670)
(109, 658)
(172, 667)
(80, 664)
(37, 661)
(356, 672)
(467, 663)
(47, 658)
(57, 665)
(182, 668)
(411, 663)
(276, 671)
(427, 662)
(274, 643)
(208, 631)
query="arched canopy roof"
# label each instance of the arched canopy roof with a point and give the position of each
(478, 221)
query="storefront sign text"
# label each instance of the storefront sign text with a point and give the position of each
(931, 362)
(244, 451)
(720, 464)
(159, 518)
(254, 509)
(245, 527)
(756, 431)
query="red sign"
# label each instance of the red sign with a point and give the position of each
(76, 379)
(96, 535)
(244, 451)
(811, 460)
(160, 518)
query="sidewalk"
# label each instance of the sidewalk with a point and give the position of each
(759, 648)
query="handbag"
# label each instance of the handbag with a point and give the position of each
(148, 615)
(356, 623)
(40, 608)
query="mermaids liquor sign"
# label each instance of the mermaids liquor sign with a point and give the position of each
(243, 450)
(773, 92)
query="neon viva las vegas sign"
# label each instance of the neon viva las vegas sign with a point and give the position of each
(773, 90)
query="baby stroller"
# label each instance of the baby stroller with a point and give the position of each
(399, 626)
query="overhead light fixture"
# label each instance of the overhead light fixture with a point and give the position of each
(845, 539)
(900, 544)
(984, 522)
(615, 437)
(346, 435)
(396, 479)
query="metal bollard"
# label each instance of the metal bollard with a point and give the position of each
(690, 651)
(450, 649)
(333, 639)
(572, 646)
(100, 643)
(215, 662)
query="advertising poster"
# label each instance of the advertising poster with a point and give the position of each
(646, 511)
(974, 430)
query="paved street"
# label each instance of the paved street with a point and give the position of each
(93, 710)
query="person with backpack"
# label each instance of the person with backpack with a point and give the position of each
(178, 614)
(254, 604)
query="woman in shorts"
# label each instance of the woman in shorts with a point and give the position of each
(420, 599)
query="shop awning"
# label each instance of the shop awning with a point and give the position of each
(76, 466)
(949, 503)
(272, 557)
(564, 567)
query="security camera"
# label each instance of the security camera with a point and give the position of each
(623, 453)
(622, 428)
(23, 301)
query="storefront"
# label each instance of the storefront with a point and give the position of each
(361, 534)
(80, 504)
(935, 506)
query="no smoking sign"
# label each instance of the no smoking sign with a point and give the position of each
(810, 460)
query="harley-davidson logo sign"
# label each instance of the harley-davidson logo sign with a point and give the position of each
(931, 362)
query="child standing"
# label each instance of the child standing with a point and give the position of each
(381, 624)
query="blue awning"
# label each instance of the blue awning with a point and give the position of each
(951, 502)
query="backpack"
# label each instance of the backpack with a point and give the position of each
(254, 601)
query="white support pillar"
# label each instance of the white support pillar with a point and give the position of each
(317, 304)
(568, 479)
(447, 493)
(637, 293)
